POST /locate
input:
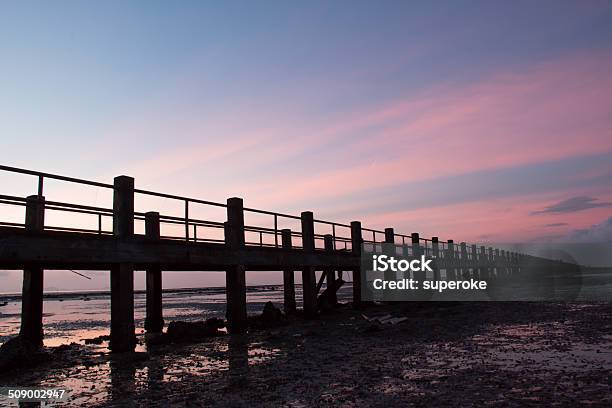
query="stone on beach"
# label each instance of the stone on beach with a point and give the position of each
(20, 353)
(270, 317)
(182, 332)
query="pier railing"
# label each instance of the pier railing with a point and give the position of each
(237, 239)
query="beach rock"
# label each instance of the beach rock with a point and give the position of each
(97, 340)
(269, 318)
(271, 313)
(182, 332)
(20, 353)
(62, 348)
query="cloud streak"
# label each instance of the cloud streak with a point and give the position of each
(573, 204)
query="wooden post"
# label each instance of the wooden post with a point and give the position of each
(390, 251)
(356, 242)
(32, 292)
(235, 278)
(497, 261)
(154, 321)
(419, 276)
(330, 272)
(484, 268)
(415, 240)
(435, 250)
(389, 236)
(450, 262)
(122, 336)
(509, 262)
(288, 277)
(309, 283)
(464, 261)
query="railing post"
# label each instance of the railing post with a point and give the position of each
(435, 250)
(329, 271)
(154, 321)
(356, 242)
(32, 292)
(309, 284)
(187, 220)
(235, 279)
(288, 276)
(122, 337)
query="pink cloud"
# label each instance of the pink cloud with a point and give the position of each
(550, 111)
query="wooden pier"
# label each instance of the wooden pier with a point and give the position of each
(34, 246)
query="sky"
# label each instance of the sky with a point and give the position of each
(474, 121)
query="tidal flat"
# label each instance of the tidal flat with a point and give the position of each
(443, 354)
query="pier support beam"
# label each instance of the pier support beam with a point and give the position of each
(330, 272)
(390, 241)
(419, 276)
(435, 249)
(484, 264)
(122, 336)
(32, 294)
(154, 320)
(356, 242)
(288, 277)
(309, 280)
(450, 260)
(389, 250)
(497, 260)
(235, 276)
(464, 261)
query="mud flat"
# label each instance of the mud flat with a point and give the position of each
(444, 354)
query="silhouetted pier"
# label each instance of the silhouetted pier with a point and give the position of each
(33, 246)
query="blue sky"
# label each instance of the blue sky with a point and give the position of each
(389, 112)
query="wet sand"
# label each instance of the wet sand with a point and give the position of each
(470, 354)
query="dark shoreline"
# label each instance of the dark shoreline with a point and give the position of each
(445, 354)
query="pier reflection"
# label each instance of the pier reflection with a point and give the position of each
(122, 378)
(238, 359)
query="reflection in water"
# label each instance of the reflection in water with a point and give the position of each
(238, 359)
(123, 379)
(155, 374)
